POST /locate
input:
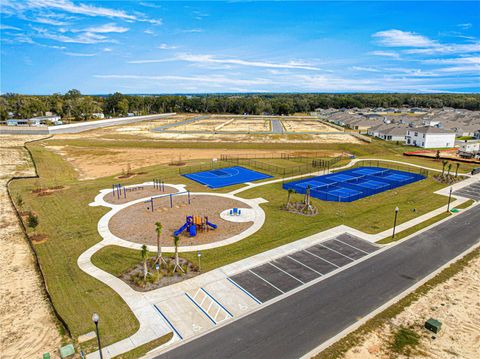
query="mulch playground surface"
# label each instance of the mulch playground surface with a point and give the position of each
(136, 193)
(136, 223)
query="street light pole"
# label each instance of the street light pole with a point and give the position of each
(95, 319)
(395, 222)
(199, 255)
(449, 199)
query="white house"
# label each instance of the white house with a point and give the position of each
(430, 137)
(98, 115)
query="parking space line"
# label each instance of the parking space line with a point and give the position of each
(244, 290)
(280, 269)
(168, 322)
(333, 250)
(199, 307)
(323, 259)
(358, 249)
(313, 270)
(216, 301)
(266, 281)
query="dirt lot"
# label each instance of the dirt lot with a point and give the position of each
(456, 303)
(307, 126)
(100, 162)
(27, 327)
(136, 223)
(248, 125)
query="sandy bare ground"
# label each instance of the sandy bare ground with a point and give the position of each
(456, 303)
(27, 327)
(136, 223)
(307, 126)
(100, 162)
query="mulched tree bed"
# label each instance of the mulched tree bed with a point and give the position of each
(164, 277)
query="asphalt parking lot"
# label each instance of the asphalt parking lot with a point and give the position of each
(283, 274)
(472, 191)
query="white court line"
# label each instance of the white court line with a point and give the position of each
(358, 249)
(266, 281)
(333, 250)
(280, 269)
(323, 259)
(303, 264)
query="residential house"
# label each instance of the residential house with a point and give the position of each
(430, 137)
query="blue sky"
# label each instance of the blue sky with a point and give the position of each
(146, 46)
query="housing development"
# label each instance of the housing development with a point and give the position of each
(159, 202)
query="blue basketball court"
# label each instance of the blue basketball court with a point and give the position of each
(353, 184)
(223, 177)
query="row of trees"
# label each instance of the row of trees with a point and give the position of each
(76, 106)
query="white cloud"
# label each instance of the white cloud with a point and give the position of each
(455, 61)
(82, 38)
(80, 54)
(399, 38)
(192, 30)
(8, 27)
(81, 9)
(475, 69)
(107, 28)
(445, 49)
(465, 26)
(167, 47)
(365, 68)
(41, 6)
(215, 79)
(49, 21)
(391, 54)
(210, 59)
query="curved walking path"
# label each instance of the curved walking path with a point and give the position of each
(144, 304)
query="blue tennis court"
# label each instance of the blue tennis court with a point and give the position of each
(228, 176)
(353, 184)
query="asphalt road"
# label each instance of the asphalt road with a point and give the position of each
(277, 126)
(299, 323)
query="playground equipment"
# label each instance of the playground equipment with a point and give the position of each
(171, 195)
(194, 223)
(235, 212)
(159, 184)
(118, 190)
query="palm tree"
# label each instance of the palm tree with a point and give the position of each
(437, 155)
(444, 163)
(177, 264)
(158, 229)
(290, 191)
(144, 258)
(456, 169)
(449, 169)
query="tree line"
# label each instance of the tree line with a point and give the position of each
(73, 105)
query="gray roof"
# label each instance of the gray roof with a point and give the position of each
(430, 129)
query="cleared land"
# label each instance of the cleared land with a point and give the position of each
(307, 126)
(28, 327)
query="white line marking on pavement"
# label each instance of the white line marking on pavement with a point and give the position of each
(303, 264)
(280, 269)
(333, 250)
(358, 249)
(266, 281)
(323, 259)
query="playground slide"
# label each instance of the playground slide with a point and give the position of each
(182, 228)
(211, 225)
(193, 230)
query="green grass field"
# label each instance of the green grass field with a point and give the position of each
(71, 227)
